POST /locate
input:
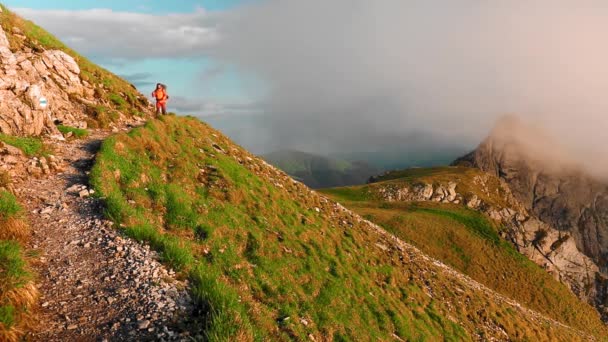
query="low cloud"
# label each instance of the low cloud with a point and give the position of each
(211, 108)
(351, 75)
(345, 74)
(104, 33)
(140, 79)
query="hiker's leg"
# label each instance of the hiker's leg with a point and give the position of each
(158, 108)
(164, 108)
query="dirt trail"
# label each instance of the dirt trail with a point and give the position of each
(95, 284)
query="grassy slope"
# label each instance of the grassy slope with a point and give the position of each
(467, 240)
(268, 259)
(17, 292)
(116, 94)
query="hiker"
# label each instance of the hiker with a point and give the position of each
(160, 94)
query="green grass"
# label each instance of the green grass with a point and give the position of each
(16, 300)
(29, 145)
(17, 294)
(9, 207)
(466, 240)
(13, 273)
(77, 133)
(261, 259)
(7, 315)
(117, 100)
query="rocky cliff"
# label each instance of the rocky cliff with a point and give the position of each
(557, 192)
(35, 67)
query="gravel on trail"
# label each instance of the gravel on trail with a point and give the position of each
(95, 284)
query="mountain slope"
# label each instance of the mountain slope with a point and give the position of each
(318, 171)
(558, 192)
(270, 259)
(460, 216)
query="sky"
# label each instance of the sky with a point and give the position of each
(343, 76)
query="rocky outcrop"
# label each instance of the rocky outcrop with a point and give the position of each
(26, 77)
(554, 250)
(560, 194)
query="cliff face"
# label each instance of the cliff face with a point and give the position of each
(26, 77)
(560, 194)
(35, 66)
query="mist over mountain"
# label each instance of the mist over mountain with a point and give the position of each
(552, 185)
(319, 171)
(351, 73)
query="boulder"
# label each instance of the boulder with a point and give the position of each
(26, 77)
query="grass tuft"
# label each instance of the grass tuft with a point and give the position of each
(77, 133)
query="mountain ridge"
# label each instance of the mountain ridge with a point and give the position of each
(564, 196)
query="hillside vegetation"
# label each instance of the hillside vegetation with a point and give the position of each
(269, 259)
(17, 291)
(466, 239)
(116, 96)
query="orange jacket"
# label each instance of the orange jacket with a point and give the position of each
(160, 95)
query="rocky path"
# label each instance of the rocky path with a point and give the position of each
(96, 285)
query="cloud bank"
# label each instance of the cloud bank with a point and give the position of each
(345, 73)
(351, 75)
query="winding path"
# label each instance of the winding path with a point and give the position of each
(96, 285)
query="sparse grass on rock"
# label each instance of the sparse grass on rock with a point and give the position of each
(30, 146)
(77, 133)
(270, 260)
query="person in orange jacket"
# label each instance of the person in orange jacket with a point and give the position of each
(161, 96)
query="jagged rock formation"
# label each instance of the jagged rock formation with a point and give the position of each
(556, 191)
(26, 76)
(35, 65)
(548, 247)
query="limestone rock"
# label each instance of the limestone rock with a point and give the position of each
(558, 193)
(26, 77)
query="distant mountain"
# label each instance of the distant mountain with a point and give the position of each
(319, 171)
(410, 149)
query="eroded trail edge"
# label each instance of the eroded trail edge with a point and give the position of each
(95, 283)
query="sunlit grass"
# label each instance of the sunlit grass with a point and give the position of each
(261, 259)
